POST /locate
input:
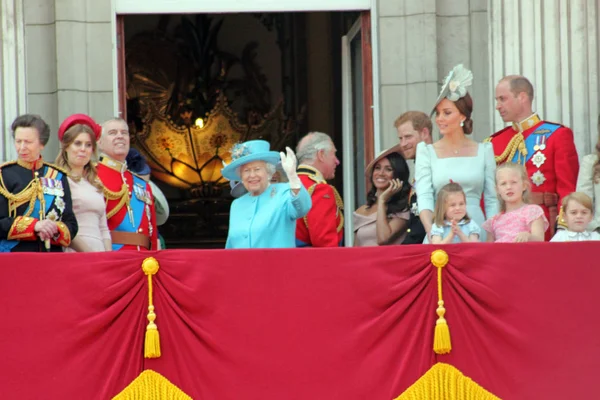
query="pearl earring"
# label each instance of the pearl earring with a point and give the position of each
(462, 123)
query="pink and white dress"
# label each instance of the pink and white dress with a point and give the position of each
(507, 225)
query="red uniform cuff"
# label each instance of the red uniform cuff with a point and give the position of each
(23, 228)
(63, 237)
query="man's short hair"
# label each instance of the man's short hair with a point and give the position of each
(419, 120)
(117, 119)
(311, 144)
(519, 84)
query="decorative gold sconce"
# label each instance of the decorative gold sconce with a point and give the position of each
(191, 156)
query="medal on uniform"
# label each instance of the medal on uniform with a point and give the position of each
(538, 178)
(543, 145)
(538, 159)
(536, 146)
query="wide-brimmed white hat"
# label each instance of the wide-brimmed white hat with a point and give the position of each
(243, 153)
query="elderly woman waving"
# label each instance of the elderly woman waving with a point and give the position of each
(265, 217)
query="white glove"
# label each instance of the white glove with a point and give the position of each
(288, 163)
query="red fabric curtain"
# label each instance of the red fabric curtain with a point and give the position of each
(302, 324)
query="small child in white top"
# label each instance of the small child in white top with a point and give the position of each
(451, 224)
(578, 213)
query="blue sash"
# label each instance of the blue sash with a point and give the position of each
(546, 130)
(6, 246)
(138, 208)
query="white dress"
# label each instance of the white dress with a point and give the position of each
(476, 175)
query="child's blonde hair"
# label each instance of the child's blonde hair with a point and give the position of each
(579, 197)
(439, 215)
(520, 169)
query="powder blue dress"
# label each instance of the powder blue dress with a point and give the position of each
(475, 174)
(267, 220)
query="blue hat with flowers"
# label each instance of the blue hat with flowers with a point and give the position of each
(243, 153)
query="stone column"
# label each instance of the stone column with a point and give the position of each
(462, 39)
(407, 61)
(419, 43)
(554, 43)
(69, 61)
(12, 72)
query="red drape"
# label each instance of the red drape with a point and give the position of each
(302, 324)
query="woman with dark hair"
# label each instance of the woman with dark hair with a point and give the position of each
(78, 136)
(384, 219)
(456, 157)
(588, 181)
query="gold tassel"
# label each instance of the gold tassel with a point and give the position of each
(152, 340)
(442, 382)
(151, 385)
(441, 337)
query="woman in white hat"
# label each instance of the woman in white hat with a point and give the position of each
(384, 219)
(265, 217)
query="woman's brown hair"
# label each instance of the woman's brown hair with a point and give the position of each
(62, 160)
(465, 106)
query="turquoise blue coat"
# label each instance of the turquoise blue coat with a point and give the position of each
(267, 220)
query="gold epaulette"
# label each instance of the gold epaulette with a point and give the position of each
(56, 167)
(487, 139)
(7, 163)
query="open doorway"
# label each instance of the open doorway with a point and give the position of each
(191, 85)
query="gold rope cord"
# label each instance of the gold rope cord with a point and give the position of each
(121, 195)
(516, 143)
(441, 336)
(30, 194)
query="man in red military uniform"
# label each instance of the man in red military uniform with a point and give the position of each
(545, 148)
(129, 202)
(323, 226)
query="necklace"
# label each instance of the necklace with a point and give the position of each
(75, 178)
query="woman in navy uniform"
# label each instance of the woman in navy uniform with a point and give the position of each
(35, 201)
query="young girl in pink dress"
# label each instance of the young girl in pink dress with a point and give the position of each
(518, 221)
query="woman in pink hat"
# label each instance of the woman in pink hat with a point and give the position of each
(78, 135)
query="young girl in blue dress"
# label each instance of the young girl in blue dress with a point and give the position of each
(451, 224)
